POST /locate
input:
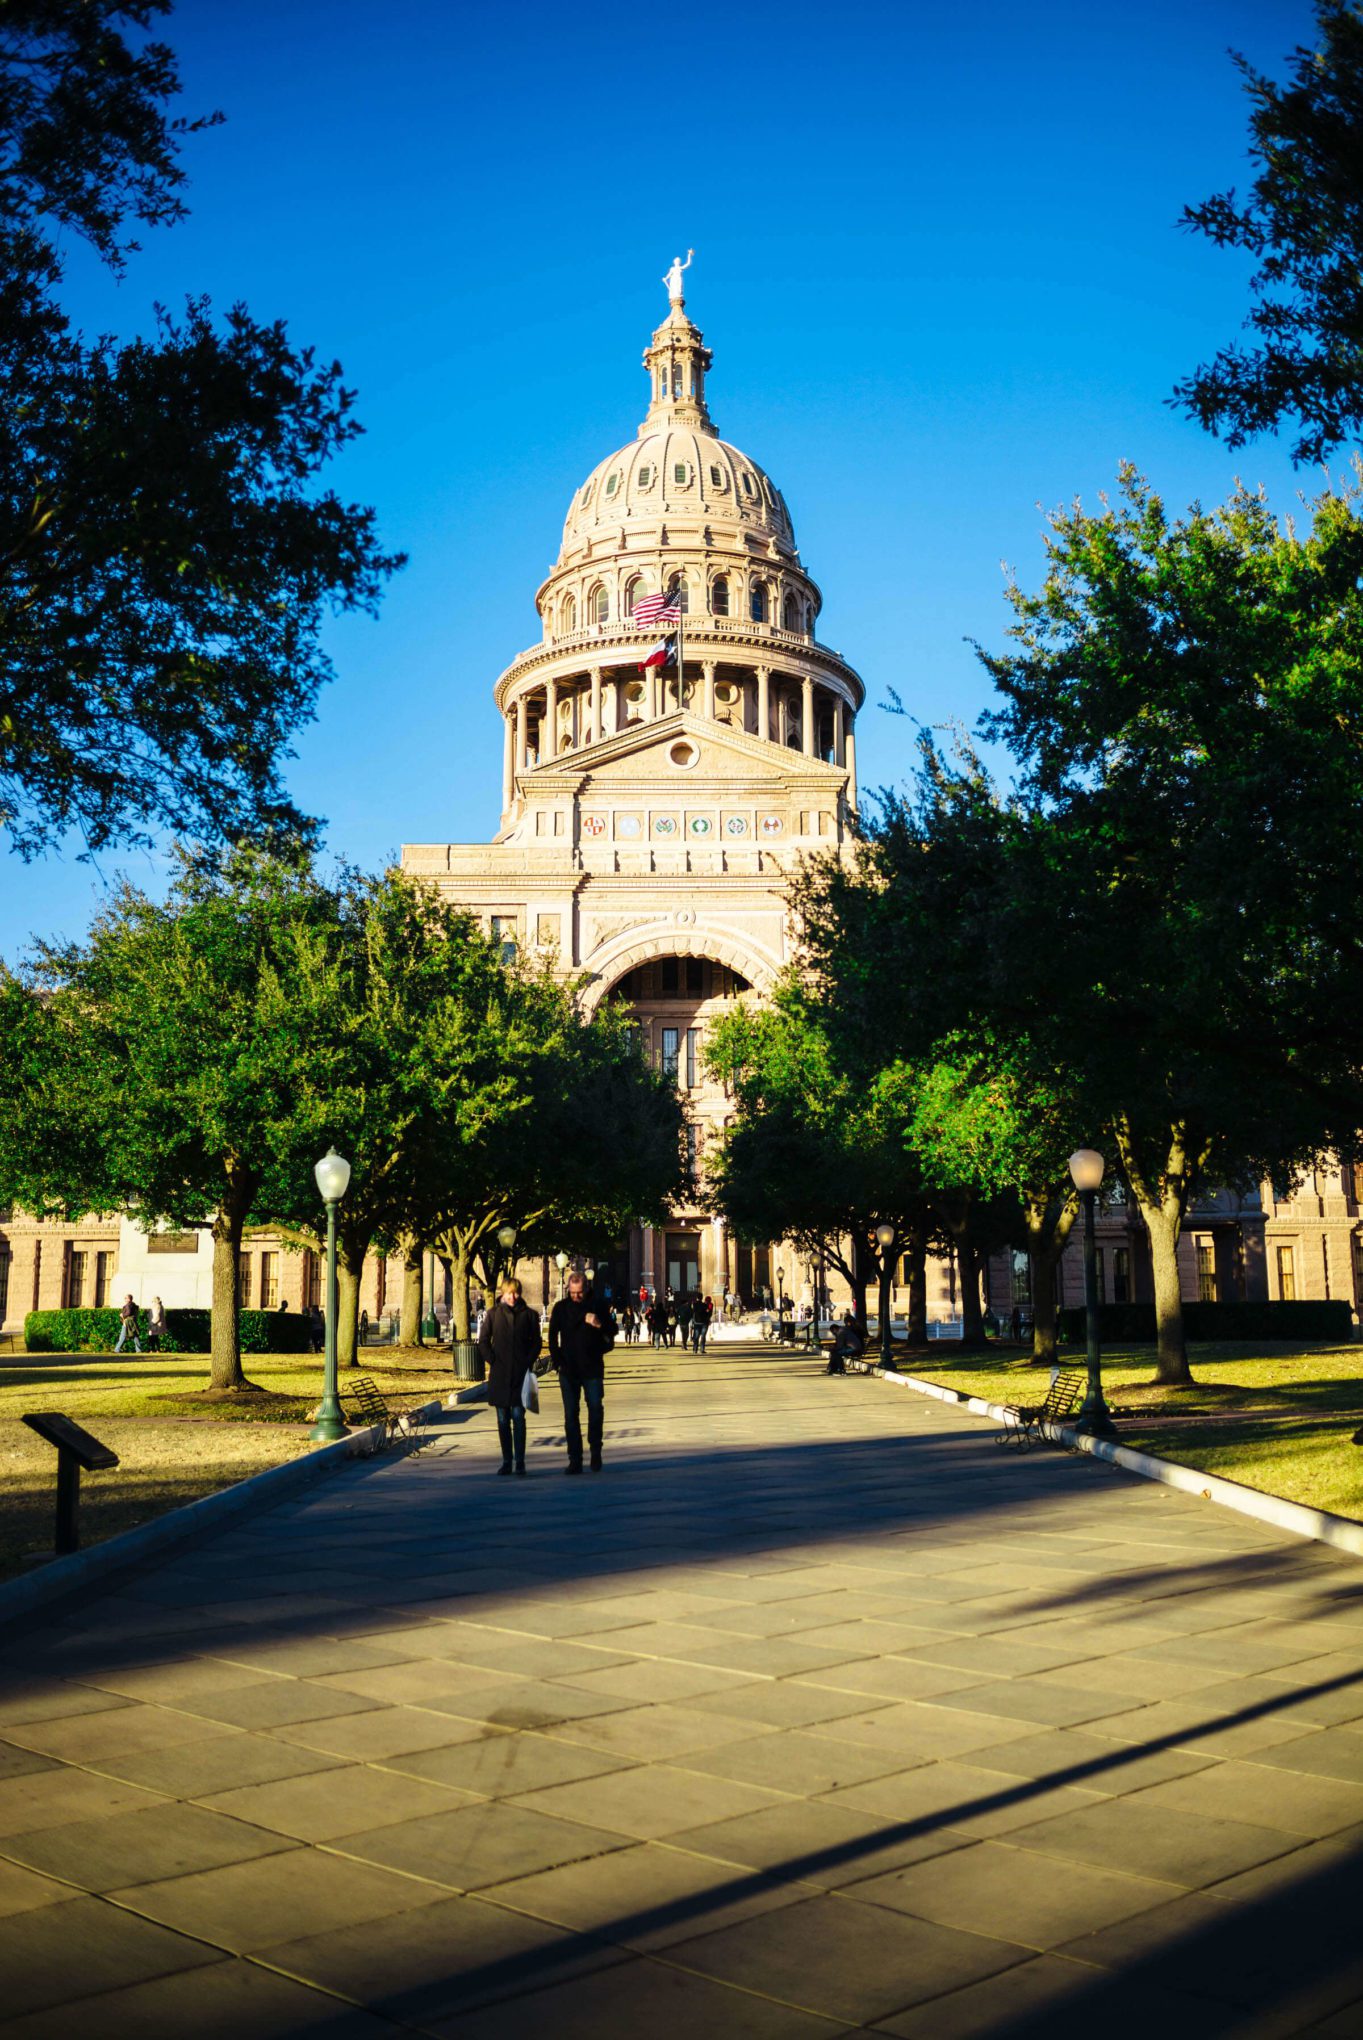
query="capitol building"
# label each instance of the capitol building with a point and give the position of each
(651, 815)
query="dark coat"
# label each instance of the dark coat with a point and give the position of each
(576, 1348)
(508, 1343)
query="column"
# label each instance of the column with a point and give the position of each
(807, 730)
(520, 733)
(763, 702)
(707, 705)
(597, 731)
(851, 761)
(621, 701)
(839, 734)
(508, 757)
(549, 742)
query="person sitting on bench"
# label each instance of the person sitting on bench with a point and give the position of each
(848, 1344)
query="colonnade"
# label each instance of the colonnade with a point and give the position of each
(791, 709)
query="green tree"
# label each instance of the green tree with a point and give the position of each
(581, 1139)
(167, 556)
(161, 1062)
(1163, 910)
(1302, 222)
(816, 1153)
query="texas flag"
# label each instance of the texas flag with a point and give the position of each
(662, 654)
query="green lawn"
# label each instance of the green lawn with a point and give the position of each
(1275, 1417)
(172, 1447)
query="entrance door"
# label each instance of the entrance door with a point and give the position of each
(683, 1262)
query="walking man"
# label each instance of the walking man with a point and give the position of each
(128, 1326)
(581, 1333)
(508, 1346)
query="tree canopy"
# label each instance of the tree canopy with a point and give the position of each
(1302, 222)
(167, 554)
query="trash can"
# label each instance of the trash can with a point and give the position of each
(467, 1365)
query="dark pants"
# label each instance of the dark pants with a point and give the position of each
(572, 1390)
(511, 1431)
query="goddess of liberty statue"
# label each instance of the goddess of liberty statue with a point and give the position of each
(673, 279)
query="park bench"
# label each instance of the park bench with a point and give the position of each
(373, 1407)
(1024, 1423)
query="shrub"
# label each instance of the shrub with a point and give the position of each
(1323, 1322)
(187, 1331)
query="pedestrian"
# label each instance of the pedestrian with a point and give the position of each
(848, 1344)
(657, 1323)
(700, 1323)
(686, 1306)
(128, 1325)
(581, 1333)
(156, 1325)
(643, 1298)
(629, 1323)
(364, 1327)
(508, 1346)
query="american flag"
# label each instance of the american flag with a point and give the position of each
(651, 610)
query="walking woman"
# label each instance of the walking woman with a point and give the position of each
(508, 1345)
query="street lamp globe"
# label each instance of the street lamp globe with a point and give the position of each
(333, 1176)
(506, 1237)
(560, 1260)
(885, 1233)
(1086, 1169)
(590, 1274)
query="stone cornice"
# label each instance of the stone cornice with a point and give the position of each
(610, 648)
(774, 764)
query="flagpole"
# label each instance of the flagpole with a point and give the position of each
(681, 666)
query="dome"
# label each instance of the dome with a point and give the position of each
(675, 470)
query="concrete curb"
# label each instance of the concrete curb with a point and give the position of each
(63, 1576)
(1340, 1531)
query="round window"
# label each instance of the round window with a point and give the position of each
(684, 752)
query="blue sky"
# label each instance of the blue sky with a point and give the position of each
(936, 258)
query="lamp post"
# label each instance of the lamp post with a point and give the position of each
(780, 1296)
(333, 1180)
(561, 1263)
(885, 1240)
(1094, 1418)
(506, 1240)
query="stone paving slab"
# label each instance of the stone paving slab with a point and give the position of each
(813, 1714)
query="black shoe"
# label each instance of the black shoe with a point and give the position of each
(572, 1467)
(521, 1469)
(505, 1466)
(596, 1462)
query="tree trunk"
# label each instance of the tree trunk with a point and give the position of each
(1048, 1229)
(1171, 1349)
(968, 1269)
(460, 1261)
(225, 1371)
(348, 1272)
(1162, 1198)
(409, 1331)
(916, 1246)
(859, 1281)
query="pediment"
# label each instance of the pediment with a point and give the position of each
(648, 751)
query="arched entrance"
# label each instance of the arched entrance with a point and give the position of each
(675, 991)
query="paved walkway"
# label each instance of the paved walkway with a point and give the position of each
(815, 1713)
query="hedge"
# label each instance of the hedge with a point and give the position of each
(1324, 1322)
(187, 1331)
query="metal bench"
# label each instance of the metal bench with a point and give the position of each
(1023, 1423)
(373, 1408)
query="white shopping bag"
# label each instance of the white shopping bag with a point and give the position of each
(530, 1391)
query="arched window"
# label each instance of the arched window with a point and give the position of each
(684, 595)
(633, 590)
(644, 476)
(792, 613)
(757, 607)
(719, 595)
(570, 612)
(599, 605)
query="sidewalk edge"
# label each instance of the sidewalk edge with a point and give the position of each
(1296, 1517)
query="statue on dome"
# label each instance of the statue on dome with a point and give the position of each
(673, 279)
